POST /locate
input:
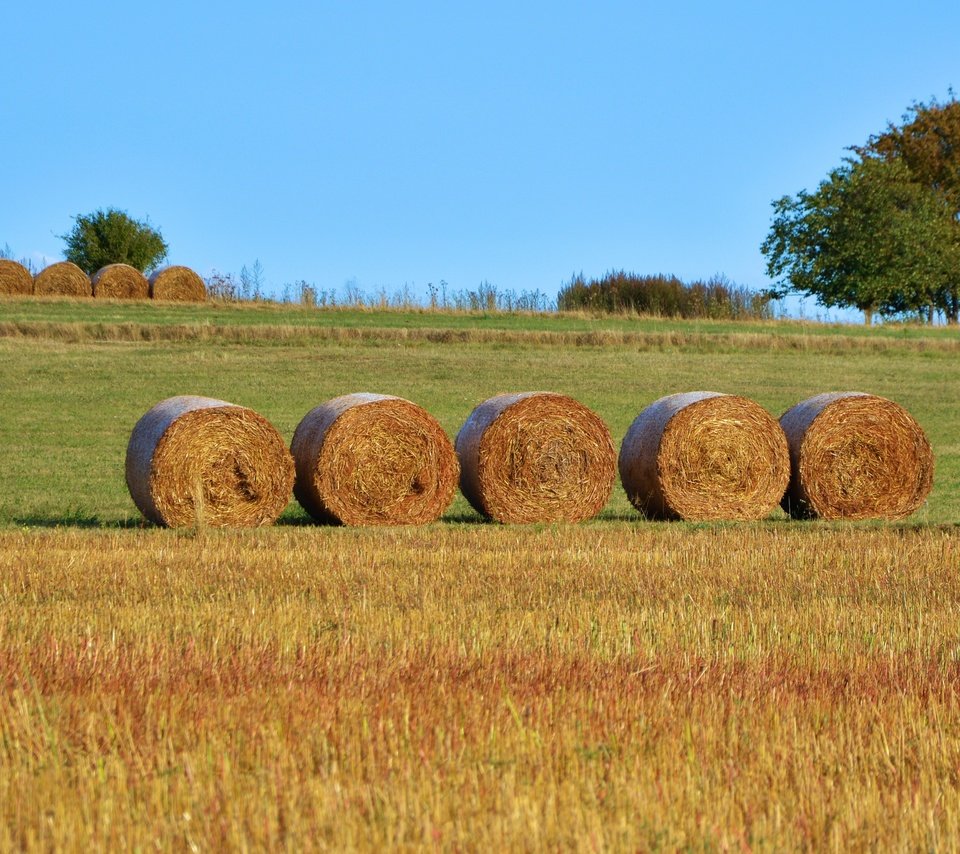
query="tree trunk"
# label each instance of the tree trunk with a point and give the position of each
(868, 317)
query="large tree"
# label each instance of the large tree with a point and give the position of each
(870, 237)
(110, 237)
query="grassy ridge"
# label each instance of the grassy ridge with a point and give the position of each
(70, 311)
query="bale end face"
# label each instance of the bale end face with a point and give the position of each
(855, 456)
(120, 281)
(370, 459)
(536, 457)
(62, 279)
(703, 456)
(15, 279)
(198, 461)
(177, 284)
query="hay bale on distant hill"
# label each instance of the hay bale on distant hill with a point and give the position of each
(177, 283)
(855, 456)
(536, 457)
(200, 461)
(120, 281)
(62, 279)
(373, 459)
(704, 455)
(15, 279)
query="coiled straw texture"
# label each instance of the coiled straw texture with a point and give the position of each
(62, 279)
(15, 279)
(702, 456)
(177, 283)
(855, 456)
(536, 457)
(373, 459)
(200, 461)
(120, 281)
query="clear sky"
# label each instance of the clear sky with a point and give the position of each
(397, 143)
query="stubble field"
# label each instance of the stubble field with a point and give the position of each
(615, 685)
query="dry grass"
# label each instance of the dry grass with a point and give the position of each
(199, 461)
(704, 455)
(76, 332)
(592, 687)
(855, 456)
(373, 459)
(535, 457)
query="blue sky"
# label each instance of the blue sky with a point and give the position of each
(409, 142)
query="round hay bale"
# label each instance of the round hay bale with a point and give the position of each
(536, 457)
(120, 281)
(62, 279)
(177, 283)
(15, 279)
(855, 456)
(703, 455)
(200, 461)
(373, 459)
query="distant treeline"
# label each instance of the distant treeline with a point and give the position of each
(663, 296)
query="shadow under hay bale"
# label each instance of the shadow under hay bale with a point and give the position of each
(373, 459)
(177, 283)
(62, 279)
(15, 279)
(536, 457)
(855, 456)
(200, 461)
(704, 456)
(120, 281)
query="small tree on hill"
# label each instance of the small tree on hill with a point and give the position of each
(113, 237)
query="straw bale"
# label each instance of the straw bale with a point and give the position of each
(15, 279)
(855, 456)
(373, 459)
(120, 281)
(62, 279)
(704, 455)
(535, 457)
(177, 283)
(200, 461)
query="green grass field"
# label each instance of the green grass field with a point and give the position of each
(72, 394)
(614, 685)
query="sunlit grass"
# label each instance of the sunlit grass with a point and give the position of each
(482, 687)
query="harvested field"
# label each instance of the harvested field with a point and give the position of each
(620, 686)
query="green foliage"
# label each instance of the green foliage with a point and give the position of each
(870, 237)
(663, 296)
(113, 237)
(881, 233)
(928, 143)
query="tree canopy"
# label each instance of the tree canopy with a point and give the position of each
(881, 233)
(112, 237)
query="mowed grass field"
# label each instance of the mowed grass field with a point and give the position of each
(615, 685)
